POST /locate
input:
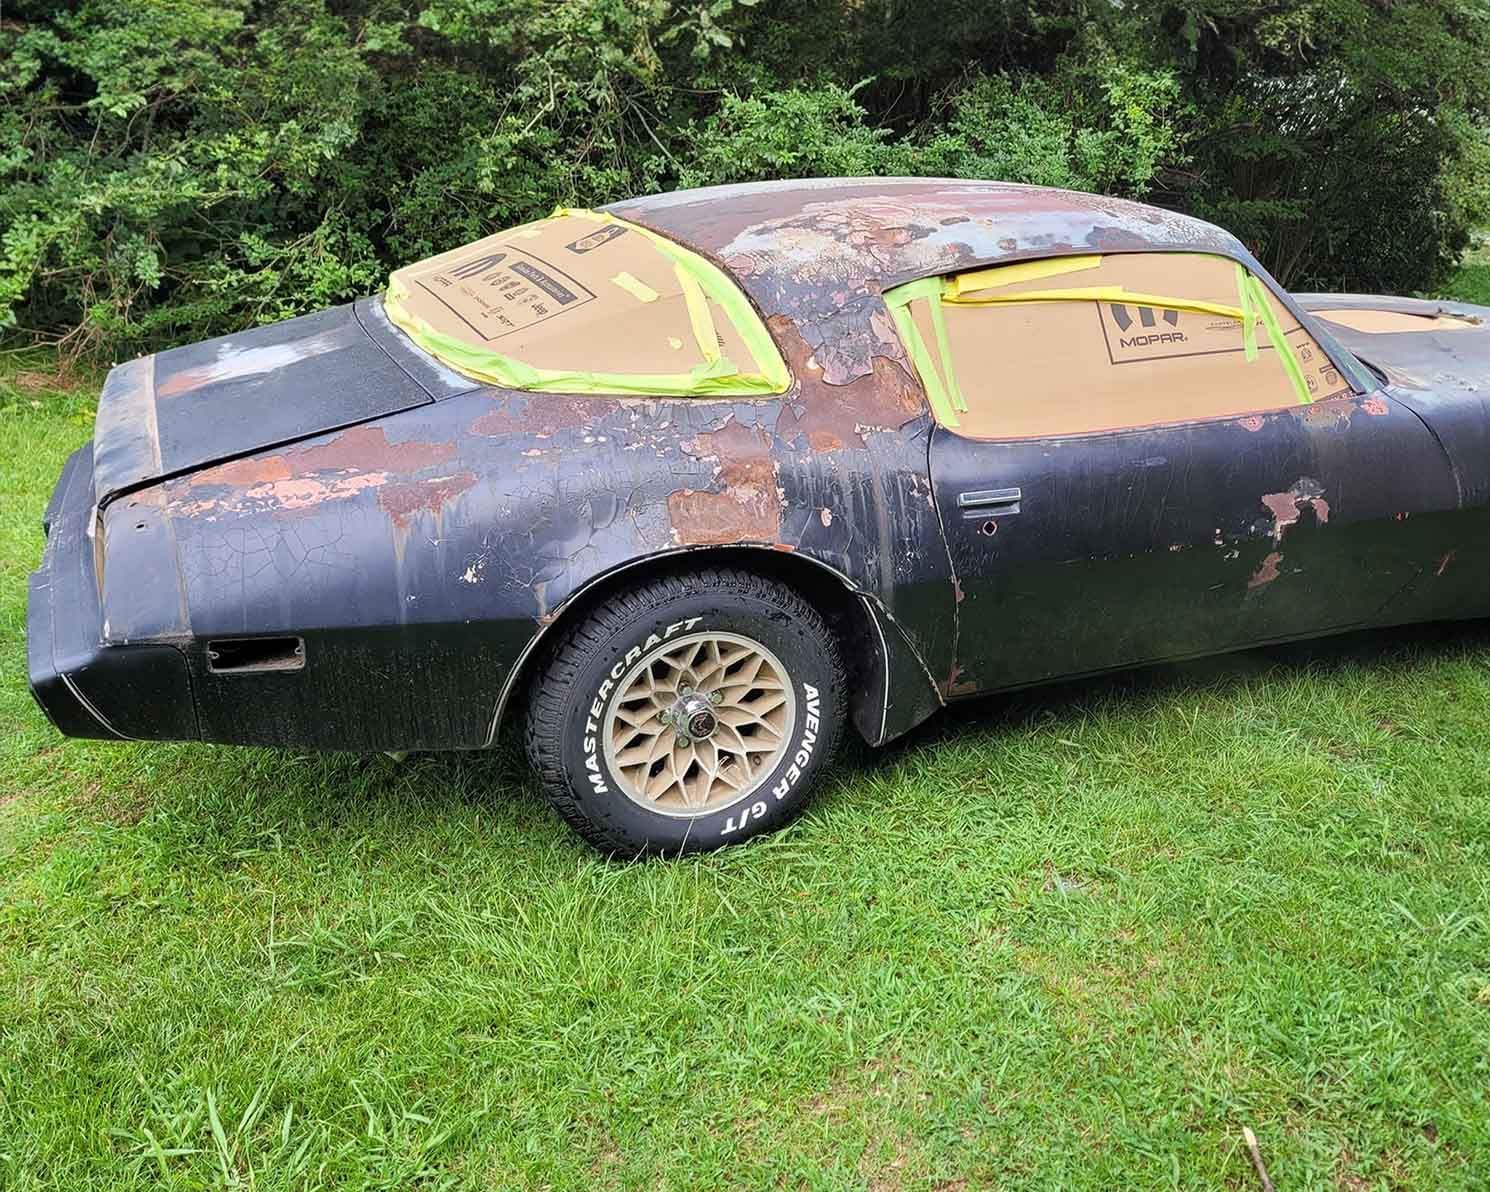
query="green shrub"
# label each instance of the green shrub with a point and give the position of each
(170, 169)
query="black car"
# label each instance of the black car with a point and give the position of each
(686, 484)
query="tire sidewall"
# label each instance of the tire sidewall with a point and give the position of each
(809, 663)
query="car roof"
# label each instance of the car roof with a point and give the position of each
(844, 232)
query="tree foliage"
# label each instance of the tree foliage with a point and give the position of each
(174, 168)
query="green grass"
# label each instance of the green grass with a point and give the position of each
(1079, 937)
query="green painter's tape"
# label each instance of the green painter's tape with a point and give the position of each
(716, 376)
(927, 287)
(712, 378)
(1285, 350)
(1249, 313)
(725, 293)
(921, 358)
(944, 353)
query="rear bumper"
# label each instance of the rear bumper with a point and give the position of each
(88, 688)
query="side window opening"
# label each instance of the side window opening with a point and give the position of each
(583, 302)
(1081, 344)
(1389, 322)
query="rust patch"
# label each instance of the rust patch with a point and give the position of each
(405, 501)
(1374, 406)
(1252, 422)
(957, 684)
(747, 503)
(747, 508)
(1287, 507)
(831, 417)
(366, 448)
(243, 473)
(543, 414)
(733, 440)
(1267, 571)
(361, 449)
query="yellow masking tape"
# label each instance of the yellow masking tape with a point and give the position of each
(634, 286)
(698, 315)
(1008, 275)
(1101, 294)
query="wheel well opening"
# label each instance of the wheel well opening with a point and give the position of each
(824, 589)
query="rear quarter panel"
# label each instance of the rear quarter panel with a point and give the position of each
(418, 555)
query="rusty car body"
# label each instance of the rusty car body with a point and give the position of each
(315, 534)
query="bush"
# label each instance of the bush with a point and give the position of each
(172, 168)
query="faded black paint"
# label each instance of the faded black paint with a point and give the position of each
(421, 532)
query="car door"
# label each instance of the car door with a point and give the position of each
(1130, 481)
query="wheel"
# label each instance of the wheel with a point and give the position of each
(687, 713)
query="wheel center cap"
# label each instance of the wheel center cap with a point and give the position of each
(697, 717)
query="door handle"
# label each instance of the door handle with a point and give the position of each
(982, 502)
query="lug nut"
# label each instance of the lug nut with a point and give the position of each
(716, 697)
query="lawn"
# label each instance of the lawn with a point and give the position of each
(1081, 937)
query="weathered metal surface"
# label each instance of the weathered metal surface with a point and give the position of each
(87, 689)
(452, 532)
(1443, 376)
(421, 547)
(1174, 541)
(191, 406)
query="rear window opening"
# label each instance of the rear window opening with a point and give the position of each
(583, 302)
(248, 655)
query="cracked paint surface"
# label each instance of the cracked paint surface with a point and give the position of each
(434, 537)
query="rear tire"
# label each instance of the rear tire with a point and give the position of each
(687, 713)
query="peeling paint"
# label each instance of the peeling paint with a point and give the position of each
(1267, 570)
(406, 500)
(1287, 507)
(362, 448)
(546, 414)
(282, 495)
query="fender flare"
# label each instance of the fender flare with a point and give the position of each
(902, 694)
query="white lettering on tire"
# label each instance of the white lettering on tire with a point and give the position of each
(811, 723)
(591, 742)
